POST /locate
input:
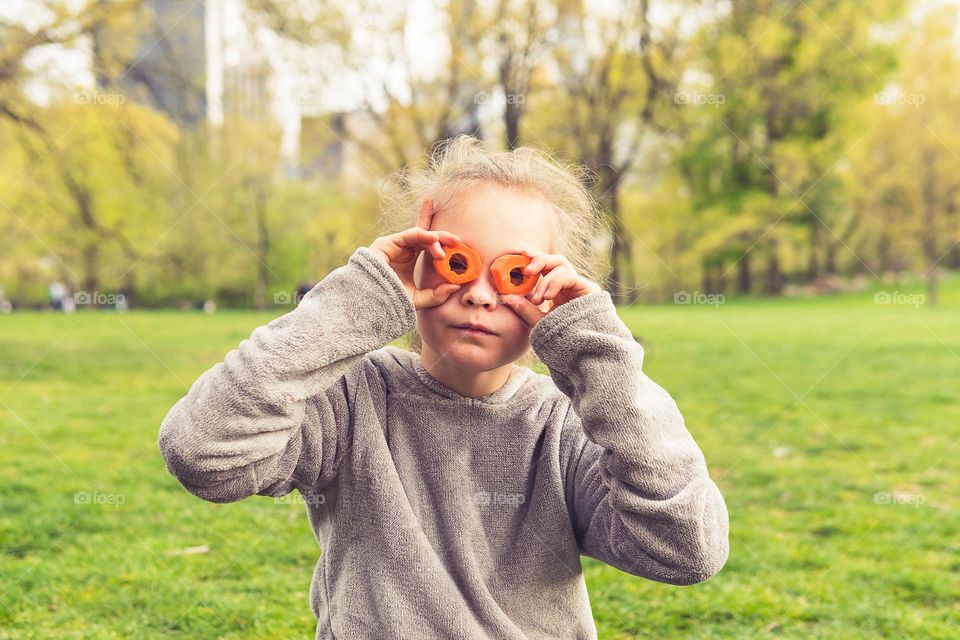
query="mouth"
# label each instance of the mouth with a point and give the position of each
(474, 329)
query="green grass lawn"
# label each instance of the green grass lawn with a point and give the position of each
(830, 424)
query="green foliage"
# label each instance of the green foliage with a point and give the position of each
(772, 118)
(175, 217)
(750, 153)
(903, 170)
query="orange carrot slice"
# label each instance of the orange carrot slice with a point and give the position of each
(460, 263)
(509, 276)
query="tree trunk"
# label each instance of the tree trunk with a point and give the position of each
(813, 265)
(91, 267)
(512, 109)
(744, 283)
(830, 258)
(512, 117)
(774, 277)
(953, 255)
(707, 282)
(620, 248)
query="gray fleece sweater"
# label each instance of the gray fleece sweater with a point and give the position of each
(439, 515)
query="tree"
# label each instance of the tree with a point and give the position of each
(780, 78)
(615, 80)
(904, 176)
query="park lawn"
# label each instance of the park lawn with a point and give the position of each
(830, 424)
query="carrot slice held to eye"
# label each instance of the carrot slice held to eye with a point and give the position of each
(460, 263)
(508, 274)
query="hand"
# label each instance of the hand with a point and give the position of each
(559, 285)
(400, 251)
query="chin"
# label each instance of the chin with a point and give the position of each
(480, 355)
(472, 356)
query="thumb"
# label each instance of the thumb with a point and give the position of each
(436, 296)
(528, 312)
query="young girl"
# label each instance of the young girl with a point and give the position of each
(451, 490)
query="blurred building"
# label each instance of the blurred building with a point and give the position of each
(168, 69)
(254, 74)
(211, 61)
(206, 61)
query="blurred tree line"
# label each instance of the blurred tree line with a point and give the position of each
(747, 146)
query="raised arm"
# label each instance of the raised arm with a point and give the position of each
(276, 413)
(637, 484)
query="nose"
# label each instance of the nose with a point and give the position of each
(480, 292)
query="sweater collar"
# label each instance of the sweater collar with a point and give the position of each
(507, 392)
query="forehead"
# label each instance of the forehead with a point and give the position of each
(497, 220)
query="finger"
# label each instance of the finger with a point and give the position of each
(555, 287)
(448, 238)
(538, 287)
(539, 292)
(418, 235)
(527, 311)
(415, 237)
(544, 262)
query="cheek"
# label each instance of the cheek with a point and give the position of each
(514, 327)
(431, 320)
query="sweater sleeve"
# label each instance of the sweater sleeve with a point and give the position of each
(636, 483)
(276, 413)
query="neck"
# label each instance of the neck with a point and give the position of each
(469, 383)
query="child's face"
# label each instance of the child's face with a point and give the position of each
(494, 221)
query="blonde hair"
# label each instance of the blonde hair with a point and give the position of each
(458, 164)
